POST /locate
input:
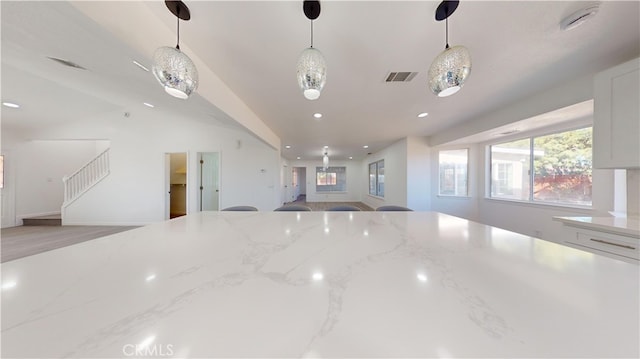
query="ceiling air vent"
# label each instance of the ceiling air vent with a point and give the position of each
(66, 63)
(400, 76)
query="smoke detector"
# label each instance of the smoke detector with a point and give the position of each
(579, 17)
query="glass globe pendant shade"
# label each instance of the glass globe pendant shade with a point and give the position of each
(311, 73)
(325, 162)
(175, 71)
(449, 71)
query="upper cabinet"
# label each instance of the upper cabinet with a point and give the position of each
(616, 117)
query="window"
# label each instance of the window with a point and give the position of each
(334, 179)
(561, 165)
(453, 172)
(376, 178)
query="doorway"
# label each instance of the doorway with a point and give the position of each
(209, 181)
(300, 183)
(175, 185)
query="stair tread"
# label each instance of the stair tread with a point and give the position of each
(49, 220)
(51, 216)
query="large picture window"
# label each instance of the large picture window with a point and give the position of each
(561, 164)
(453, 172)
(333, 179)
(376, 178)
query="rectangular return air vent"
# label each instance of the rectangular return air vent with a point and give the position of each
(400, 76)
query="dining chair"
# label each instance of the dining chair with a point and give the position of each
(344, 208)
(241, 208)
(393, 209)
(293, 208)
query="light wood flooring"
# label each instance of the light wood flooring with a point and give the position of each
(23, 241)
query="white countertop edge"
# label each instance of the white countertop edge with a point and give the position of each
(616, 225)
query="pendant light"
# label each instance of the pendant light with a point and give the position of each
(311, 68)
(450, 69)
(325, 160)
(171, 67)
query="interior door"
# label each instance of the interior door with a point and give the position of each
(175, 185)
(209, 178)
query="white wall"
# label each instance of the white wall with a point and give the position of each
(418, 174)
(34, 173)
(354, 181)
(134, 192)
(395, 175)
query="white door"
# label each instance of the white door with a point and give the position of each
(209, 179)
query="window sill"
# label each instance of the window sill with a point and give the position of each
(444, 196)
(376, 197)
(586, 209)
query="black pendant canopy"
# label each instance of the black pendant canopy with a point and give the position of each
(179, 9)
(446, 8)
(311, 9)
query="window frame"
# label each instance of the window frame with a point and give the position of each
(338, 171)
(467, 175)
(376, 177)
(531, 182)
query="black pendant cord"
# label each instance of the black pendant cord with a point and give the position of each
(447, 31)
(178, 44)
(311, 33)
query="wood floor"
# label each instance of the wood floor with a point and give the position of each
(23, 241)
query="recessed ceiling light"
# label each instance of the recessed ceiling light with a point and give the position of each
(10, 104)
(423, 114)
(317, 115)
(287, 146)
(148, 104)
(140, 65)
(326, 146)
(365, 146)
(298, 157)
(350, 157)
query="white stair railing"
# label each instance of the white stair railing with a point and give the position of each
(86, 177)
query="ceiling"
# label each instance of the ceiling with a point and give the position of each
(517, 50)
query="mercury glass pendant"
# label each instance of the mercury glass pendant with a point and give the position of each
(449, 71)
(311, 68)
(325, 161)
(171, 67)
(451, 68)
(312, 73)
(175, 71)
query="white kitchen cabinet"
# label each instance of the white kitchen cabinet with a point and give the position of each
(609, 236)
(616, 117)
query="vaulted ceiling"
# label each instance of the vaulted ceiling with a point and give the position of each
(517, 48)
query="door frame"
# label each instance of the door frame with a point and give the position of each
(167, 183)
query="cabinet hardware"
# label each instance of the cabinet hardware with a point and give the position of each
(613, 244)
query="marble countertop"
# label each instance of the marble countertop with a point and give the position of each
(319, 284)
(617, 225)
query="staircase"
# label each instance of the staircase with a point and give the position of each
(52, 220)
(86, 177)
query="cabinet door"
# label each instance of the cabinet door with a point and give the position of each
(616, 124)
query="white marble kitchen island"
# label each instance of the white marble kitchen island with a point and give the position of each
(319, 284)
